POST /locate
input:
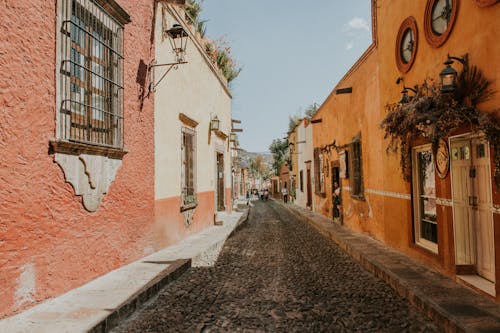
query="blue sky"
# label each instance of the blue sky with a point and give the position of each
(292, 54)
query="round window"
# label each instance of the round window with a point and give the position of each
(439, 19)
(406, 44)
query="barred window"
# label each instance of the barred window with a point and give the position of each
(319, 173)
(355, 169)
(91, 75)
(188, 167)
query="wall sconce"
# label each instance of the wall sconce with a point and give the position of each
(178, 38)
(214, 124)
(291, 147)
(449, 75)
(405, 98)
(233, 137)
(178, 41)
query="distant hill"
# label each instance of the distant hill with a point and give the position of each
(246, 156)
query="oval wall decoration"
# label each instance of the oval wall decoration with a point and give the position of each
(439, 19)
(442, 159)
(406, 44)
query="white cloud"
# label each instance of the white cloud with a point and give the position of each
(349, 46)
(358, 23)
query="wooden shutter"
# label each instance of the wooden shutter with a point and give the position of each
(316, 170)
(356, 175)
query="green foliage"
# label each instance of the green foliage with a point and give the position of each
(434, 115)
(293, 121)
(193, 10)
(220, 53)
(279, 150)
(311, 110)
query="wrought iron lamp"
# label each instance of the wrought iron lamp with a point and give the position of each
(214, 124)
(178, 38)
(449, 75)
(233, 137)
(404, 97)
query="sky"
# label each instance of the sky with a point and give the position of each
(292, 54)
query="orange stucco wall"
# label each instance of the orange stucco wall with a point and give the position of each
(386, 211)
(171, 225)
(48, 242)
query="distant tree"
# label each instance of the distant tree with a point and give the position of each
(311, 110)
(293, 121)
(279, 150)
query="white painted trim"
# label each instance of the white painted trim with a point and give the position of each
(444, 202)
(389, 194)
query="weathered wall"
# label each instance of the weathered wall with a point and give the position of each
(386, 211)
(195, 90)
(48, 242)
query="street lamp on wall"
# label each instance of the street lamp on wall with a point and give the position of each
(214, 124)
(233, 137)
(449, 75)
(178, 38)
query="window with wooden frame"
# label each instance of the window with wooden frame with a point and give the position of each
(424, 197)
(91, 74)
(188, 153)
(355, 169)
(319, 172)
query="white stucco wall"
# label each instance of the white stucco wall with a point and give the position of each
(305, 153)
(195, 90)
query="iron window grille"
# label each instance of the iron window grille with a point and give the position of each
(355, 170)
(91, 74)
(188, 151)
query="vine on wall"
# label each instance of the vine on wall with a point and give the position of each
(435, 115)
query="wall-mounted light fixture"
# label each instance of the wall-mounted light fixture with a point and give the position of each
(178, 38)
(449, 75)
(233, 137)
(404, 97)
(214, 124)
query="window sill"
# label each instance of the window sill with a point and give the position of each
(188, 207)
(75, 148)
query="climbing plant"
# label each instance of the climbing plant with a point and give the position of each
(435, 115)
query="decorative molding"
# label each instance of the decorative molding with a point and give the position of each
(408, 24)
(432, 38)
(221, 135)
(90, 176)
(444, 202)
(495, 209)
(115, 10)
(389, 194)
(187, 121)
(75, 148)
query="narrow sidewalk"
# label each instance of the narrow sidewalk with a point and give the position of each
(101, 304)
(453, 307)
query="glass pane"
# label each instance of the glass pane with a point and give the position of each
(427, 179)
(481, 150)
(429, 231)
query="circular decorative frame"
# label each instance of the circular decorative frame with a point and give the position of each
(442, 159)
(408, 23)
(433, 39)
(486, 3)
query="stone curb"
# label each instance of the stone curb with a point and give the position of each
(134, 302)
(456, 316)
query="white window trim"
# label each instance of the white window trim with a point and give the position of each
(433, 247)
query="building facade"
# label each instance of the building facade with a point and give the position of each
(304, 151)
(438, 203)
(77, 170)
(192, 128)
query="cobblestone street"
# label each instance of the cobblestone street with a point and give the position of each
(277, 274)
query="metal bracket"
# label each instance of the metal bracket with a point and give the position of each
(152, 65)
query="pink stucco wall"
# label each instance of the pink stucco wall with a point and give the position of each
(48, 242)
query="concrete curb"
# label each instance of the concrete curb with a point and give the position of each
(143, 295)
(451, 306)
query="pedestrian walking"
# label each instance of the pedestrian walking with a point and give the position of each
(284, 193)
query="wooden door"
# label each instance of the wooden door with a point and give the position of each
(220, 182)
(472, 218)
(309, 188)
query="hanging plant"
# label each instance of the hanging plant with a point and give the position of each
(435, 115)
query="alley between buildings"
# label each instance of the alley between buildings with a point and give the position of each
(277, 274)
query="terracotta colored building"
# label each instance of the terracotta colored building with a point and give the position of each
(446, 214)
(86, 157)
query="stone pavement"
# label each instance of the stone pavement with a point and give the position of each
(100, 304)
(452, 306)
(278, 274)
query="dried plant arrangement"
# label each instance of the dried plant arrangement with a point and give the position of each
(435, 115)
